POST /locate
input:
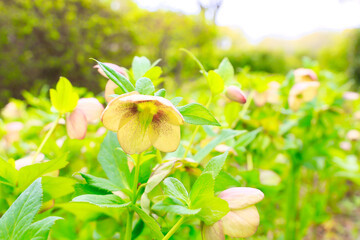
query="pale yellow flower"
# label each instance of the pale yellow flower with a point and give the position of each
(142, 121)
(243, 218)
(304, 75)
(302, 92)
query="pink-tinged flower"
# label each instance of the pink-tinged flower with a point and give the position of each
(117, 68)
(88, 110)
(305, 75)
(353, 135)
(13, 132)
(302, 92)
(351, 96)
(243, 218)
(142, 121)
(235, 94)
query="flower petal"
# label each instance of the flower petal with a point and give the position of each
(213, 232)
(91, 107)
(241, 223)
(115, 110)
(132, 136)
(76, 124)
(110, 90)
(164, 135)
(241, 197)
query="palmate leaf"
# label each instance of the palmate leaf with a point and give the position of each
(16, 222)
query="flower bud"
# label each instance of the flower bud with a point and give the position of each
(110, 90)
(241, 197)
(305, 75)
(91, 107)
(351, 96)
(235, 94)
(76, 124)
(113, 66)
(213, 232)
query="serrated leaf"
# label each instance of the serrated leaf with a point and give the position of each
(40, 229)
(109, 200)
(160, 93)
(215, 164)
(117, 78)
(21, 213)
(225, 70)
(195, 113)
(101, 183)
(215, 82)
(144, 86)
(174, 188)
(140, 66)
(202, 189)
(29, 173)
(150, 222)
(114, 161)
(222, 137)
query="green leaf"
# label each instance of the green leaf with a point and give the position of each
(224, 181)
(224, 136)
(64, 98)
(109, 200)
(176, 209)
(216, 83)
(140, 66)
(176, 100)
(29, 173)
(212, 210)
(215, 165)
(202, 189)
(40, 229)
(8, 173)
(153, 73)
(119, 79)
(101, 183)
(55, 187)
(196, 60)
(155, 62)
(174, 188)
(150, 222)
(247, 138)
(225, 70)
(21, 213)
(197, 114)
(144, 86)
(160, 93)
(114, 161)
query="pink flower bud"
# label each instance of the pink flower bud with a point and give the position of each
(110, 90)
(91, 107)
(117, 68)
(304, 75)
(235, 94)
(76, 124)
(241, 197)
(213, 232)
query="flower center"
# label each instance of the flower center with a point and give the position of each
(146, 111)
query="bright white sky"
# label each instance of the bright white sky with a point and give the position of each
(286, 19)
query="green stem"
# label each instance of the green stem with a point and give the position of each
(195, 132)
(130, 217)
(55, 123)
(293, 192)
(249, 161)
(247, 104)
(174, 228)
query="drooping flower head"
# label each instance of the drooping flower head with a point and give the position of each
(243, 218)
(305, 75)
(302, 92)
(142, 121)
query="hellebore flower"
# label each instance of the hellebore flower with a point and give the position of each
(235, 94)
(110, 85)
(305, 75)
(142, 121)
(302, 92)
(243, 218)
(88, 110)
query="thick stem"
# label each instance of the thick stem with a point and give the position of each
(292, 198)
(130, 217)
(174, 228)
(55, 123)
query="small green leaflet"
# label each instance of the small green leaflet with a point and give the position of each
(160, 93)
(64, 98)
(140, 66)
(101, 183)
(225, 70)
(216, 83)
(215, 165)
(144, 86)
(195, 113)
(174, 188)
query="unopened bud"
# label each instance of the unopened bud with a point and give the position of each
(91, 107)
(76, 124)
(241, 197)
(234, 93)
(213, 232)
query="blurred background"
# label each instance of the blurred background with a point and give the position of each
(41, 40)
